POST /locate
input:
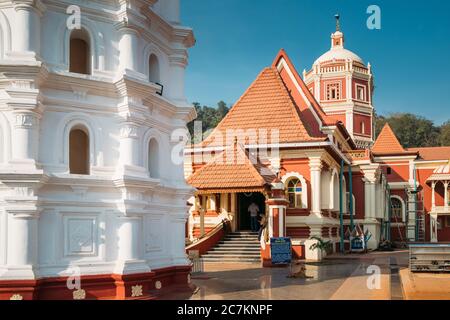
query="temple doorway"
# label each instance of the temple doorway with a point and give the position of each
(244, 201)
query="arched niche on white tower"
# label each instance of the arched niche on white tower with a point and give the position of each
(62, 137)
(162, 60)
(96, 41)
(153, 145)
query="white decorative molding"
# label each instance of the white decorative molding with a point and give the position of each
(81, 235)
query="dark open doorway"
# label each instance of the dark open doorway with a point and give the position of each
(244, 201)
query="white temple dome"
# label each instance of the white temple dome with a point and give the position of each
(338, 53)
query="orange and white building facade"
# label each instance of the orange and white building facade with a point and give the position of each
(299, 132)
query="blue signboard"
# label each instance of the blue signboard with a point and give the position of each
(281, 250)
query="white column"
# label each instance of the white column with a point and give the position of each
(128, 46)
(213, 203)
(175, 90)
(433, 196)
(411, 172)
(27, 25)
(128, 248)
(446, 195)
(233, 212)
(25, 135)
(22, 245)
(177, 243)
(369, 196)
(129, 145)
(315, 165)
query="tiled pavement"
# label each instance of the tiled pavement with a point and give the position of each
(338, 277)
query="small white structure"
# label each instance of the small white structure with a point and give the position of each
(90, 92)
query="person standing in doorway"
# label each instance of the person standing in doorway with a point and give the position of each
(253, 209)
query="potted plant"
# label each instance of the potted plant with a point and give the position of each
(318, 248)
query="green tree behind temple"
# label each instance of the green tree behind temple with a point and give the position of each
(209, 117)
(445, 134)
(412, 130)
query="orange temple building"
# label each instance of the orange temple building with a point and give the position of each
(302, 148)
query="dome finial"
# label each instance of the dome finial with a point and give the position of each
(338, 24)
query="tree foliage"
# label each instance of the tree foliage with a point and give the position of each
(414, 131)
(209, 117)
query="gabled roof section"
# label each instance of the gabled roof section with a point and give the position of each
(316, 108)
(266, 104)
(387, 143)
(432, 153)
(233, 169)
(305, 100)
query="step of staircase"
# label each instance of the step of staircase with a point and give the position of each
(237, 247)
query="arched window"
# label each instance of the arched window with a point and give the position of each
(153, 158)
(78, 151)
(397, 208)
(294, 191)
(80, 52)
(363, 127)
(153, 72)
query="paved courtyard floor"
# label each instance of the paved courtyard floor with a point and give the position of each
(338, 277)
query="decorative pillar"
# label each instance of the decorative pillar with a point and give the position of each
(446, 195)
(433, 196)
(277, 204)
(22, 210)
(233, 212)
(315, 165)
(178, 62)
(129, 145)
(28, 26)
(128, 46)
(371, 223)
(25, 136)
(128, 232)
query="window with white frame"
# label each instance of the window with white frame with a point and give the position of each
(363, 127)
(360, 92)
(333, 91)
(294, 193)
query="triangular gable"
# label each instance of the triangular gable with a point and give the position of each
(266, 105)
(233, 169)
(387, 142)
(310, 109)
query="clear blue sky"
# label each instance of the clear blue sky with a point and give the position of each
(410, 55)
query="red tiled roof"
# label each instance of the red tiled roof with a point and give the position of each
(432, 153)
(266, 104)
(387, 142)
(232, 169)
(326, 119)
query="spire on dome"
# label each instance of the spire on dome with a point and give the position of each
(337, 38)
(338, 24)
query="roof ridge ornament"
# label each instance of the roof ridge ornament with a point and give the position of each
(338, 23)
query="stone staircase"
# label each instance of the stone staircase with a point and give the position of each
(237, 247)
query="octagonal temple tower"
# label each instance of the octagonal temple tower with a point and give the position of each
(91, 203)
(343, 85)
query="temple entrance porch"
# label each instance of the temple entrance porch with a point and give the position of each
(244, 201)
